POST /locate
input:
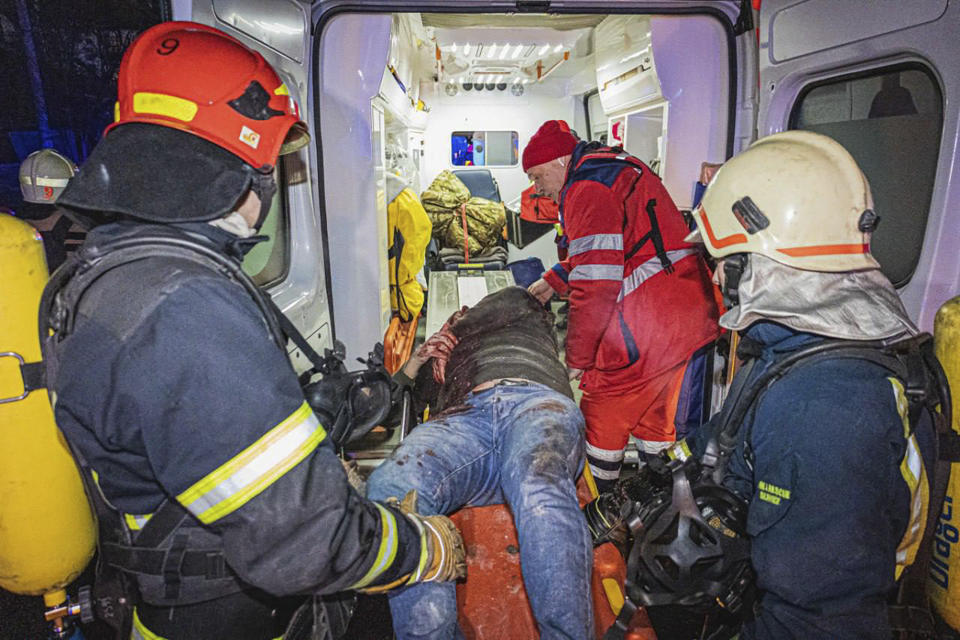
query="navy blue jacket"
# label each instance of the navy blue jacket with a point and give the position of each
(819, 461)
(170, 387)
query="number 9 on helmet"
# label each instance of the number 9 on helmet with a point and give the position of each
(197, 79)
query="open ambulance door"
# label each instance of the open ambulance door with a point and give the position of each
(293, 265)
(382, 75)
(877, 77)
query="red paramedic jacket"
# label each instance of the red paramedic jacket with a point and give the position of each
(641, 299)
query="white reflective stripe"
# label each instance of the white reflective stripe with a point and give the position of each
(648, 269)
(596, 242)
(610, 455)
(603, 474)
(655, 446)
(913, 460)
(45, 182)
(596, 272)
(254, 469)
(387, 551)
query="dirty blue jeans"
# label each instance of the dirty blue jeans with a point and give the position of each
(515, 443)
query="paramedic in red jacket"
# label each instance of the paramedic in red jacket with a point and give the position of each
(642, 306)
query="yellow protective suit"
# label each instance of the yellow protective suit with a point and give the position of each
(408, 231)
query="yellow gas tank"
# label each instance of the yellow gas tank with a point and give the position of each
(943, 585)
(47, 529)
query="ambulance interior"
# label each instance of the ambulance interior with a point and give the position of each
(432, 92)
(435, 92)
(429, 92)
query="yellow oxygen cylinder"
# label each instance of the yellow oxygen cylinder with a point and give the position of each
(943, 585)
(47, 529)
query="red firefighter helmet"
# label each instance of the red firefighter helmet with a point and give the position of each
(194, 78)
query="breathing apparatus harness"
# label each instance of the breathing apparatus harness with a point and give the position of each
(690, 545)
(349, 404)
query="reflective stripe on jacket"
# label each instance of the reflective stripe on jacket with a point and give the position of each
(634, 311)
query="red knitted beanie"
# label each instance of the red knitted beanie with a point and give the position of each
(552, 140)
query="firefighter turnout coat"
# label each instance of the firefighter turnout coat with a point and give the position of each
(835, 476)
(170, 387)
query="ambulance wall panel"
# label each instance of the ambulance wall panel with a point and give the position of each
(869, 46)
(690, 55)
(350, 77)
(489, 111)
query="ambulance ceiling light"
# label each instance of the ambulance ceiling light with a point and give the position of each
(557, 48)
(505, 51)
(516, 51)
(543, 50)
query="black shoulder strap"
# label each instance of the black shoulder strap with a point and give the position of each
(59, 301)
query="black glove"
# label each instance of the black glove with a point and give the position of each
(606, 515)
(651, 479)
(604, 520)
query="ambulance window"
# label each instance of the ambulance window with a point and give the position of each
(267, 261)
(890, 122)
(484, 148)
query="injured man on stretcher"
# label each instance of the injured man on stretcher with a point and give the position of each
(504, 429)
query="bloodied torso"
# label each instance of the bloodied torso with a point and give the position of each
(508, 334)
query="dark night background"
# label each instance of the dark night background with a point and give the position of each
(58, 61)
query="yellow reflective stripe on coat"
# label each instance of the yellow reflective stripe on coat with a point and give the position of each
(255, 468)
(140, 632)
(388, 548)
(135, 523)
(915, 475)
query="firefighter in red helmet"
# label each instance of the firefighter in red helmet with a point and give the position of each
(220, 498)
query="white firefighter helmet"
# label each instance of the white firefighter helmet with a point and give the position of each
(44, 175)
(796, 197)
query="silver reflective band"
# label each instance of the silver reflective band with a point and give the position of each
(255, 468)
(599, 241)
(603, 474)
(604, 454)
(45, 182)
(597, 272)
(648, 269)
